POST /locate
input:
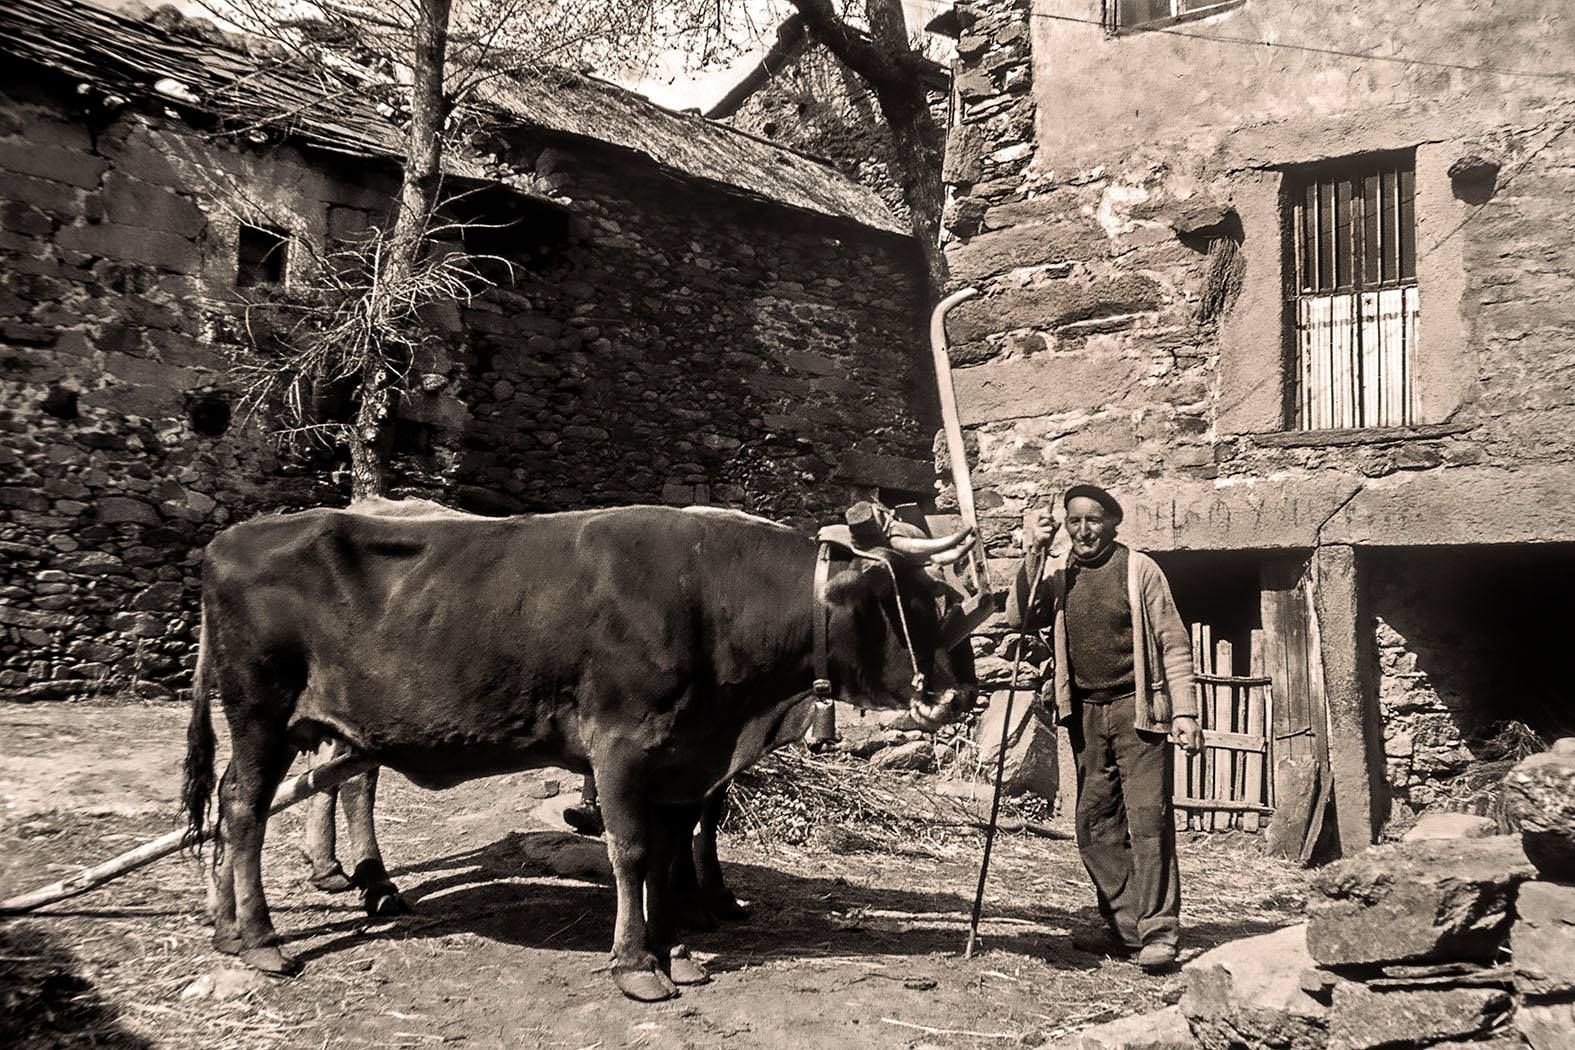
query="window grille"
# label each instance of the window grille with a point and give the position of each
(1355, 302)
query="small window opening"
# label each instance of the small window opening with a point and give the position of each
(209, 414)
(412, 438)
(503, 230)
(769, 128)
(260, 256)
(60, 402)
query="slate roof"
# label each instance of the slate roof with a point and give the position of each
(200, 72)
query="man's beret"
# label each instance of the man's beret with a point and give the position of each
(1099, 496)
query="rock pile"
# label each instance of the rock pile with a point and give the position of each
(889, 740)
(1442, 942)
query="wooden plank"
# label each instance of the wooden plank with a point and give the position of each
(1318, 706)
(1391, 339)
(1287, 658)
(1229, 740)
(1269, 794)
(1222, 761)
(1220, 805)
(1231, 679)
(1313, 338)
(1238, 717)
(1369, 337)
(1253, 763)
(1206, 709)
(1342, 360)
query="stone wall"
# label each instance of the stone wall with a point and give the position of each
(670, 344)
(1130, 250)
(1426, 680)
(1462, 644)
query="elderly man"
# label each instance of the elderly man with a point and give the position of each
(1123, 687)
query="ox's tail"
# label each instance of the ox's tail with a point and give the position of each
(197, 792)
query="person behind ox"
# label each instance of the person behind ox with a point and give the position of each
(1122, 683)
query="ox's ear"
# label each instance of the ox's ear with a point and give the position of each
(863, 581)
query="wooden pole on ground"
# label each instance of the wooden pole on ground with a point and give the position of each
(330, 774)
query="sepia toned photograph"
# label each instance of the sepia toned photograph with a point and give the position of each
(781, 524)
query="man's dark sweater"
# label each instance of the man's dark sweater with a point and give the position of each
(1099, 625)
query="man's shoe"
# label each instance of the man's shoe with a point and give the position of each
(1157, 957)
(1103, 942)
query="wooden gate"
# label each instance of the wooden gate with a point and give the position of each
(1230, 783)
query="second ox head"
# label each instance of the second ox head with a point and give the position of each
(891, 642)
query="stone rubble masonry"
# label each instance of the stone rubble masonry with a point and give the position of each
(673, 345)
(1426, 675)
(1539, 799)
(1430, 901)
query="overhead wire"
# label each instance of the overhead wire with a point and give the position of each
(1370, 56)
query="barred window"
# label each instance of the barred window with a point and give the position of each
(1134, 14)
(1354, 300)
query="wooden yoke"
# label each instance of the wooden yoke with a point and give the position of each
(980, 603)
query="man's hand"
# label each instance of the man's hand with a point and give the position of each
(1039, 529)
(1184, 730)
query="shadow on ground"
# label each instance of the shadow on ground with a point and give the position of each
(46, 1002)
(478, 891)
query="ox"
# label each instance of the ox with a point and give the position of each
(660, 649)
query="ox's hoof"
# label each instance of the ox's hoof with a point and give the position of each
(645, 986)
(271, 961)
(696, 915)
(384, 902)
(226, 940)
(334, 880)
(585, 818)
(379, 896)
(683, 969)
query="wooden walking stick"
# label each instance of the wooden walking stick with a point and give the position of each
(325, 776)
(1000, 765)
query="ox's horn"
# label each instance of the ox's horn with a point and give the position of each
(916, 547)
(956, 554)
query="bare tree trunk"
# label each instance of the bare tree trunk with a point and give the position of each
(887, 62)
(369, 439)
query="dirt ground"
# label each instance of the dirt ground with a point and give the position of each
(513, 919)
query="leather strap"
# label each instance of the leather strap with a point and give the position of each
(821, 615)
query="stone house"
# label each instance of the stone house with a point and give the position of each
(1298, 283)
(695, 316)
(801, 95)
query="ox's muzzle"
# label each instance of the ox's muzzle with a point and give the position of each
(931, 710)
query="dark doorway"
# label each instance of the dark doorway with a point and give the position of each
(1219, 588)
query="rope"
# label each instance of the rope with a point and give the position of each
(902, 620)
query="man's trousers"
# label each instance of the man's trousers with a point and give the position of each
(1126, 832)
